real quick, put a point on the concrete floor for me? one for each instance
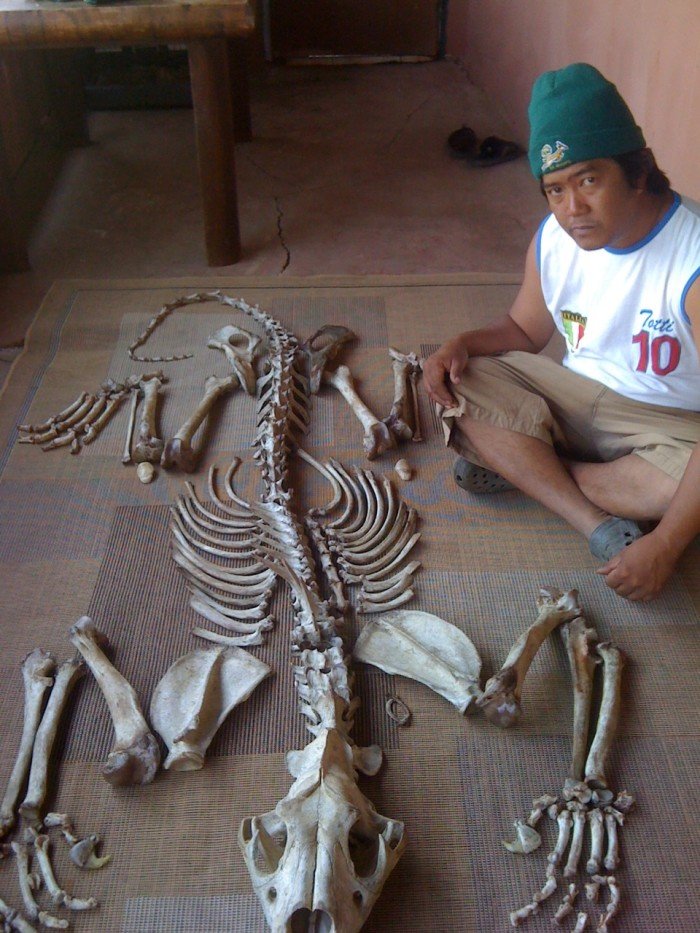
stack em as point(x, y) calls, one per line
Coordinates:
point(348, 172)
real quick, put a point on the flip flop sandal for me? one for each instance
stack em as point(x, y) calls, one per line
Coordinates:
point(495, 151)
point(611, 536)
point(463, 142)
point(478, 479)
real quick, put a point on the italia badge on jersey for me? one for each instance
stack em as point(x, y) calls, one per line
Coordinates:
point(574, 327)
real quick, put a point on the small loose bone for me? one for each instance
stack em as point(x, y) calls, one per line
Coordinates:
point(526, 841)
point(613, 662)
point(613, 905)
point(146, 472)
point(596, 822)
point(539, 805)
point(579, 638)
point(28, 883)
point(135, 757)
point(67, 674)
point(239, 346)
point(320, 355)
point(581, 922)
point(613, 819)
point(83, 854)
point(400, 420)
point(179, 451)
point(567, 905)
point(13, 920)
point(378, 438)
point(149, 447)
point(501, 699)
point(55, 891)
point(403, 470)
point(397, 710)
point(579, 818)
point(564, 823)
point(126, 456)
point(36, 670)
point(517, 916)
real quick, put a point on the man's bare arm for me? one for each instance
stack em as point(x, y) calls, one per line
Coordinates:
point(528, 326)
point(640, 571)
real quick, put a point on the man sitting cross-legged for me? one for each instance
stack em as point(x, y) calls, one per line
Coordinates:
point(610, 438)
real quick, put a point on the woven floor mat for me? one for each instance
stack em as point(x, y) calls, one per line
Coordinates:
point(80, 535)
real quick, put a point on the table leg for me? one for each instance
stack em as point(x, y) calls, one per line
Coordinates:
point(238, 50)
point(213, 117)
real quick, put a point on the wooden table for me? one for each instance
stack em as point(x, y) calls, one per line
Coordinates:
point(212, 31)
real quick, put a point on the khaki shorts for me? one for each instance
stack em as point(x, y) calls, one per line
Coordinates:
point(581, 418)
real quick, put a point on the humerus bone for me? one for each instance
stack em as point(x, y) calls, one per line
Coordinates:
point(239, 346)
point(194, 697)
point(149, 447)
point(66, 676)
point(501, 699)
point(36, 670)
point(179, 451)
point(378, 438)
point(426, 648)
point(135, 757)
point(613, 662)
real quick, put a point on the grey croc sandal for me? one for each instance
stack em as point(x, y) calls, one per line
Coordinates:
point(611, 536)
point(478, 479)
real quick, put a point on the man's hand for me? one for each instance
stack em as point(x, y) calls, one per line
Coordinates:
point(443, 369)
point(640, 571)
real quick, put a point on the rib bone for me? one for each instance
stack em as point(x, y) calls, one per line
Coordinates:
point(66, 676)
point(501, 699)
point(36, 668)
point(179, 451)
point(613, 662)
point(378, 438)
point(135, 757)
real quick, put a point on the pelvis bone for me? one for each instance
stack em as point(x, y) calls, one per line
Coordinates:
point(318, 861)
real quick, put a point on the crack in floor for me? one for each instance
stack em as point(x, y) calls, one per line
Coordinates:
point(280, 235)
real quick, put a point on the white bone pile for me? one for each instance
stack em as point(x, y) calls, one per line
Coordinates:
point(586, 805)
point(31, 850)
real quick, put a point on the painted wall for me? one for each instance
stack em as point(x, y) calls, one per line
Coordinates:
point(650, 50)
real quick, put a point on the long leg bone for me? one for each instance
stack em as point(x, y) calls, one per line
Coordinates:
point(149, 447)
point(179, 451)
point(239, 346)
point(501, 699)
point(36, 670)
point(66, 676)
point(401, 419)
point(378, 438)
point(579, 638)
point(135, 757)
point(613, 662)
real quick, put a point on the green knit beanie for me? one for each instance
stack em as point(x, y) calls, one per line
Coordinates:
point(576, 114)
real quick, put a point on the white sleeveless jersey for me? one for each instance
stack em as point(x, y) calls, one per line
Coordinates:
point(622, 311)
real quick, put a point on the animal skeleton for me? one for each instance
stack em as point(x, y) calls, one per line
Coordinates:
point(321, 856)
point(585, 801)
